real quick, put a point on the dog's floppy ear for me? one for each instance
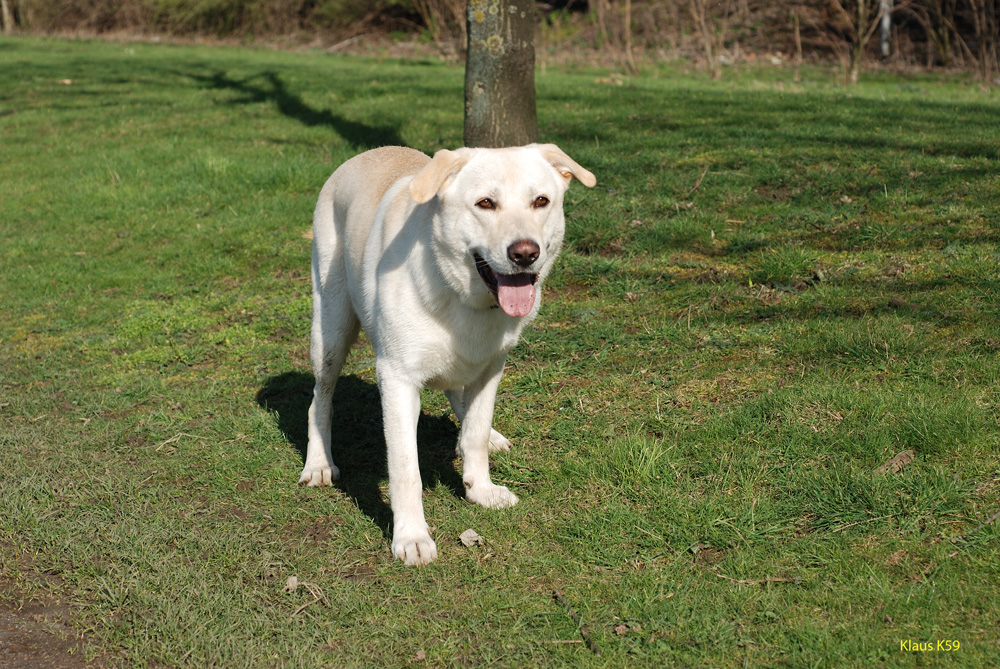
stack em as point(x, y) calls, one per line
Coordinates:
point(429, 180)
point(566, 166)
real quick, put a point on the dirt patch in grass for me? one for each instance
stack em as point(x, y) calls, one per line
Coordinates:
point(706, 556)
point(35, 634)
point(319, 530)
point(38, 628)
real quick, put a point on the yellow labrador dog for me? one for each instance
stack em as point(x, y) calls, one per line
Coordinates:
point(441, 261)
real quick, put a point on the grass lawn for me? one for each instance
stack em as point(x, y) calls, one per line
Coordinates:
point(774, 289)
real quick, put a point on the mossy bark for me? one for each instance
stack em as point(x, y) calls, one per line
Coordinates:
point(500, 74)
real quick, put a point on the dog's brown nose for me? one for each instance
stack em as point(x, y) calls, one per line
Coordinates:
point(523, 252)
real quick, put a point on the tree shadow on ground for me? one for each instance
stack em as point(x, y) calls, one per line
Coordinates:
point(268, 87)
point(358, 441)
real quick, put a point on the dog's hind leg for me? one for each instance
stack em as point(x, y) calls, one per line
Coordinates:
point(335, 327)
point(498, 442)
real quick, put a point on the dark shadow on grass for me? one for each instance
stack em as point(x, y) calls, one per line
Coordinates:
point(358, 442)
point(268, 86)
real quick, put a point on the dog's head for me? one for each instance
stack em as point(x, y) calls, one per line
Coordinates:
point(498, 219)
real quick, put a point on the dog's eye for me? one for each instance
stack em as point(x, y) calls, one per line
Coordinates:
point(486, 203)
point(540, 201)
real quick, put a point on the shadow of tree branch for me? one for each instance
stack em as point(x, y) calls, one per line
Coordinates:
point(269, 87)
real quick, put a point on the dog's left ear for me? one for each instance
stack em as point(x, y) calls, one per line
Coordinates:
point(566, 166)
point(429, 180)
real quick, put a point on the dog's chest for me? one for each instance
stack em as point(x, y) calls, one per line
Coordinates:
point(457, 357)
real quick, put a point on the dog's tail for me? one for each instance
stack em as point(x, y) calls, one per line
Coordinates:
point(323, 213)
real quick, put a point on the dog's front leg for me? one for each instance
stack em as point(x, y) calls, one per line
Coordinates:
point(478, 399)
point(411, 540)
point(498, 442)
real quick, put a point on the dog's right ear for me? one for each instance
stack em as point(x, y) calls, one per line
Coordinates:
point(429, 180)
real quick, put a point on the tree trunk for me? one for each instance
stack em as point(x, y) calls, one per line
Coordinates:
point(7, 17)
point(886, 9)
point(500, 73)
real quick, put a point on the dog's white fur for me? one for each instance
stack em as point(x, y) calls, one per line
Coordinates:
point(395, 234)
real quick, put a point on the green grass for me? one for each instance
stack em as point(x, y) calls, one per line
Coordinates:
point(773, 289)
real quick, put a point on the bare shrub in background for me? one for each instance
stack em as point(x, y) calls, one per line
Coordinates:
point(986, 22)
point(712, 28)
point(958, 32)
point(615, 31)
point(937, 19)
point(260, 19)
point(445, 19)
point(857, 21)
point(622, 33)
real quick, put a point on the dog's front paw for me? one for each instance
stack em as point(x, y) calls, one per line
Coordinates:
point(414, 547)
point(319, 475)
point(490, 495)
point(498, 442)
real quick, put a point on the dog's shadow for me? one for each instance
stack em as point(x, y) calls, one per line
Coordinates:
point(358, 442)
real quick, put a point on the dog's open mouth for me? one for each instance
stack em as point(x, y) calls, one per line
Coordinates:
point(515, 293)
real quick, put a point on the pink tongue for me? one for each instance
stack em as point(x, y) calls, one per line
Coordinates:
point(515, 293)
